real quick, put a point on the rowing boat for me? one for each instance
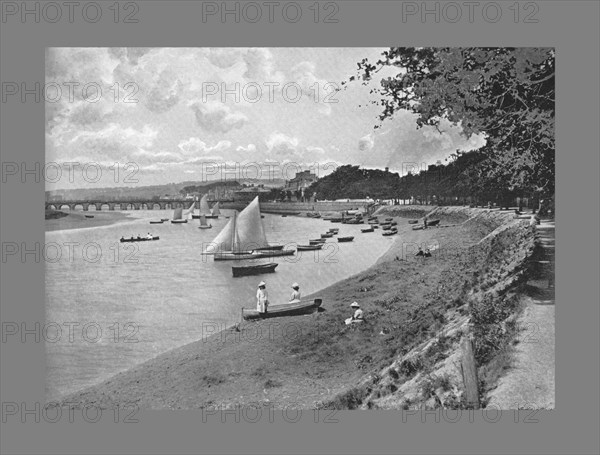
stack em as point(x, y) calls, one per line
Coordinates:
point(248, 270)
point(139, 239)
point(345, 239)
point(286, 309)
point(316, 246)
point(369, 229)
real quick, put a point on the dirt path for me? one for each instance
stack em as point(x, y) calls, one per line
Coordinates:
point(529, 384)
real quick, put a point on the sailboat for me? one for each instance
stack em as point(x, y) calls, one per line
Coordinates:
point(243, 237)
point(190, 210)
point(215, 211)
point(203, 223)
point(177, 216)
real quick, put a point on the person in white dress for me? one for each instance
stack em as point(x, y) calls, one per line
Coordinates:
point(295, 297)
point(262, 298)
point(358, 315)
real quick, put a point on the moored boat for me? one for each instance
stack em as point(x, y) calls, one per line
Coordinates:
point(316, 242)
point(203, 223)
point(89, 216)
point(413, 221)
point(327, 235)
point(286, 309)
point(391, 232)
point(157, 222)
point(241, 236)
point(433, 222)
point(316, 246)
point(273, 253)
point(258, 269)
point(345, 239)
point(269, 248)
point(369, 229)
point(139, 239)
point(178, 216)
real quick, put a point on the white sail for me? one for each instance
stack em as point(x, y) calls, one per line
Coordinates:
point(250, 228)
point(224, 241)
point(215, 210)
point(191, 209)
point(204, 209)
point(177, 213)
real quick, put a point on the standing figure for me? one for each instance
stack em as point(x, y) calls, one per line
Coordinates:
point(262, 298)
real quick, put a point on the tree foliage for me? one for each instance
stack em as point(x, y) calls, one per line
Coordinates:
point(507, 94)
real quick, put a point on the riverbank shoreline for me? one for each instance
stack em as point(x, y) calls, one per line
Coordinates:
point(306, 360)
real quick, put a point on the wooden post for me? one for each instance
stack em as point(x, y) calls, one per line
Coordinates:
point(469, 372)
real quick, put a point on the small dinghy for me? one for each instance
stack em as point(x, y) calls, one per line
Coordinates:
point(138, 239)
point(345, 239)
point(316, 246)
point(248, 270)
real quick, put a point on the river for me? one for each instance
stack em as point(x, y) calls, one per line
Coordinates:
point(110, 305)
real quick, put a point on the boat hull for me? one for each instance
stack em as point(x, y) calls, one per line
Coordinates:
point(316, 246)
point(269, 248)
point(205, 227)
point(156, 222)
point(345, 239)
point(179, 221)
point(286, 309)
point(235, 256)
point(139, 240)
point(253, 270)
point(273, 253)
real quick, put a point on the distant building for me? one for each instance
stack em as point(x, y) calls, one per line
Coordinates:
point(301, 181)
point(249, 193)
point(223, 192)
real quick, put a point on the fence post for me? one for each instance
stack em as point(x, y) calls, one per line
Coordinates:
point(469, 372)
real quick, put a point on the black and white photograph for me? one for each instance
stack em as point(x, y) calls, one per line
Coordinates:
point(310, 228)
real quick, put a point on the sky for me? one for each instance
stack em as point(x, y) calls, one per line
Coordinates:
point(146, 116)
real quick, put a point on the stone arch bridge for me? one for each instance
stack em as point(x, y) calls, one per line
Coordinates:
point(119, 205)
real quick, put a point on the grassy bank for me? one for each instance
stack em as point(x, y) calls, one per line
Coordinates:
point(316, 360)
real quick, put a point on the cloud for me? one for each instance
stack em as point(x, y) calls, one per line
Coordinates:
point(112, 143)
point(217, 117)
point(195, 146)
point(223, 57)
point(249, 148)
point(279, 144)
point(260, 67)
point(366, 143)
point(164, 93)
